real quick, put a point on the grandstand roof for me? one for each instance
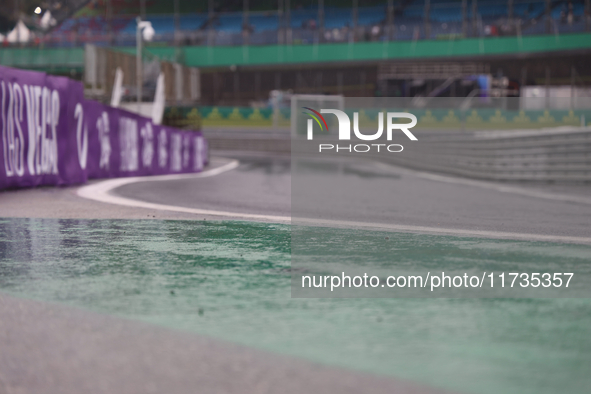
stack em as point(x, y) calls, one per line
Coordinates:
point(13, 11)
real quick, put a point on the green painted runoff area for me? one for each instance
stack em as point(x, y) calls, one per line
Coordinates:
point(204, 56)
point(232, 281)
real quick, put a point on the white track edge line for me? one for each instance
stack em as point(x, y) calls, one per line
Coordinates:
point(445, 231)
point(100, 192)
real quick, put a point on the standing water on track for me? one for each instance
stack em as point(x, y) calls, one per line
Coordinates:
point(232, 280)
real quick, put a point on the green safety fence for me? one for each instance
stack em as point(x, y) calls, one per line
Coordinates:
point(206, 56)
point(203, 56)
point(427, 118)
point(49, 59)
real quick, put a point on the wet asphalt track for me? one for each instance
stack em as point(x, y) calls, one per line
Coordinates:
point(59, 349)
point(264, 186)
point(259, 186)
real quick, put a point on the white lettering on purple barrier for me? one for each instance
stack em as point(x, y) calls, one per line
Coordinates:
point(162, 153)
point(128, 139)
point(102, 125)
point(147, 134)
point(81, 136)
point(12, 133)
point(43, 108)
point(175, 152)
point(186, 151)
point(198, 164)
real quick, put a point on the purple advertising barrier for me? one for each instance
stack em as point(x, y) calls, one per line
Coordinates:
point(37, 126)
point(72, 133)
point(101, 123)
point(50, 135)
point(15, 127)
point(125, 144)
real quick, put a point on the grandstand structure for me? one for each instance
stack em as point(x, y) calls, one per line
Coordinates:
point(306, 21)
point(245, 49)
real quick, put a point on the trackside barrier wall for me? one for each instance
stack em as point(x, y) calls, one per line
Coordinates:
point(550, 155)
point(51, 135)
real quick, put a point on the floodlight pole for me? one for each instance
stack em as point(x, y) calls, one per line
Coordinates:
point(210, 13)
point(355, 18)
point(464, 18)
point(177, 23)
point(548, 16)
point(109, 15)
point(281, 30)
point(138, 62)
point(474, 18)
point(17, 13)
point(320, 26)
point(587, 14)
point(245, 23)
point(142, 9)
point(390, 19)
point(427, 19)
point(288, 22)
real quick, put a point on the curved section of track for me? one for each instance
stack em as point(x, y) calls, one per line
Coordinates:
point(260, 189)
point(169, 185)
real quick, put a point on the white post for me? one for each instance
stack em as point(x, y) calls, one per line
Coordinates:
point(159, 101)
point(117, 88)
point(178, 83)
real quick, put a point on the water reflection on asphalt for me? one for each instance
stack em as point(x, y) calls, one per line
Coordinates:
point(231, 280)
